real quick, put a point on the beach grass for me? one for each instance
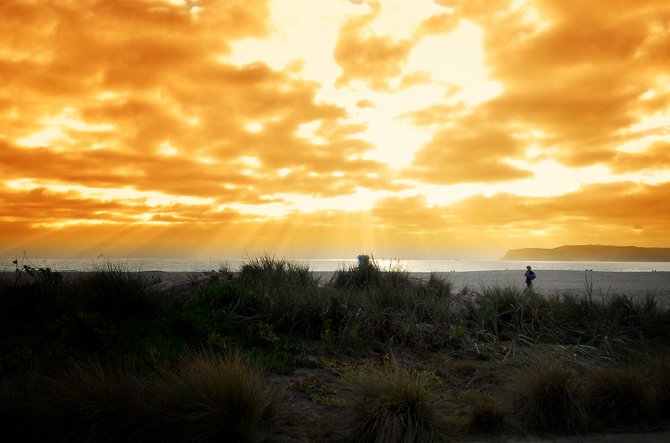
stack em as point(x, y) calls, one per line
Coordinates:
point(392, 405)
point(112, 352)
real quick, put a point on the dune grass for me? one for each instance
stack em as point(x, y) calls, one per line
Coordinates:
point(66, 343)
point(545, 398)
point(392, 405)
point(213, 398)
point(206, 397)
point(618, 397)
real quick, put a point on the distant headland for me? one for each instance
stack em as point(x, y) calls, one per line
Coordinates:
point(590, 253)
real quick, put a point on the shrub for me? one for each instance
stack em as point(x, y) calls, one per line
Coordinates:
point(395, 406)
point(545, 398)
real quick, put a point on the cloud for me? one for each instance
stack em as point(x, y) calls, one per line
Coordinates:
point(365, 56)
point(365, 103)
point(468, 152)
point(127, 121)
point(656, 157)
point(607, 213)
point(439, 24)
point(577, 80)
point(133, 94)
point(577, 72)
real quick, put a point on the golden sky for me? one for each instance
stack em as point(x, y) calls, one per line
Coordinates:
point(326, 128)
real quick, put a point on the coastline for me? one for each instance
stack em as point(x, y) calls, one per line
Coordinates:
point(551, 282)
point(548, 282)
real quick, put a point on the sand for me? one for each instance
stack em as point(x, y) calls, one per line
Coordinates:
point(548, 282)
point(553, 282)
point(576, 282)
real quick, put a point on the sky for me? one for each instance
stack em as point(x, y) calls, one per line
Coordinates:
point(326, 128)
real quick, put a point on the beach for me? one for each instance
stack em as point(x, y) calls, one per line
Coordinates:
point(575, 282)
point(556, 282)
point(548, 282)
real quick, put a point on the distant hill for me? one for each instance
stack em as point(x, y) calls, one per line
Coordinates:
point(590, 253)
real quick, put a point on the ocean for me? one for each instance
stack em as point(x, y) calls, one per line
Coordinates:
point(192, 265)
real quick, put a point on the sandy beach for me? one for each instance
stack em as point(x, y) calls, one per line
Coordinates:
point(577, 282)
point(552, 282)
point(548, 282)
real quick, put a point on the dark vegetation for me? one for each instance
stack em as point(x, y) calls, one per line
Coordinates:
point(111, 355)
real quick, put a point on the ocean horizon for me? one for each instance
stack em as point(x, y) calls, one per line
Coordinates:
point(331, 264)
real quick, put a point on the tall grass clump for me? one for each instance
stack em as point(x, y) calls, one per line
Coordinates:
point(618, 397)
point(508, 312)
point(30, 288)
point(545, 398)
point(487, 416)
point(211, 397)
point(438, 286)
point(395, 406)
point(658, 375)
point(117, 293)
point(221, 308)
point(364, 276)
point(368, 276)
point(87, 401)
point(289, 295)
point(390, 305)
point(207, 397)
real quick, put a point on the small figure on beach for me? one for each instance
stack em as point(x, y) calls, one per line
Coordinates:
point(530, 276)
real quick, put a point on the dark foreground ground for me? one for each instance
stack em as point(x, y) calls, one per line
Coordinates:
point(467, 344)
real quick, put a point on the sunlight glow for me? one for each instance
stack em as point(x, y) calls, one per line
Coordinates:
point(254, 127)
point(250, 161)
point(162, 125)
point(55, 127)
point(461, 63)
point(167, 149)
point(72, 223)
point(44, 137)
point(308, 132)
point(131, 196)
point(361, 200)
